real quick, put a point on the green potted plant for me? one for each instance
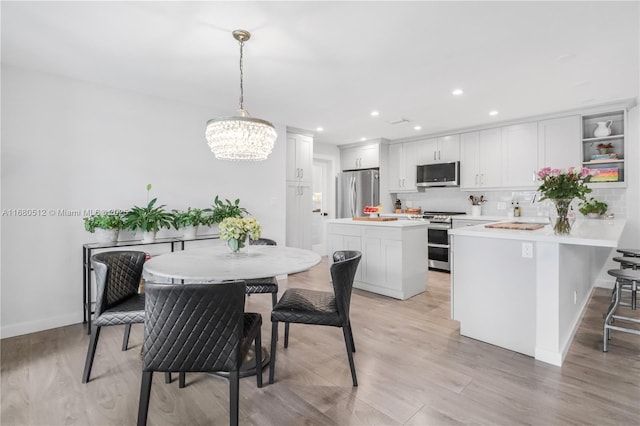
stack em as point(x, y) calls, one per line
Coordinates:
point(593, 208)
point(106, 226)
point(224, 209)
point(149, 219)
point(189, 220)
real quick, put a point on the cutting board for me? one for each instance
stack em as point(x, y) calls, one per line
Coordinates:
point(513, 225)
point(375, 219)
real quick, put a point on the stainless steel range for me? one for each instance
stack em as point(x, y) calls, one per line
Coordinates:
point(438, 239)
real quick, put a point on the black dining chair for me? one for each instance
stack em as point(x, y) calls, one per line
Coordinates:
point(264, 285)
point(304, 306)
point(198, 328)
point(118, 302)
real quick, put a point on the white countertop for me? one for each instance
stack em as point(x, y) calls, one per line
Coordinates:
point(496, 218)
point(389, 224)
point(591, 232)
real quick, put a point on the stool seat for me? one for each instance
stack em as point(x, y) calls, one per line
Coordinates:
point(629, 252)
point(628, 262)
point(624, 278)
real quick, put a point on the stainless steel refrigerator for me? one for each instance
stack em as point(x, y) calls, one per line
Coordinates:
point(357, 189)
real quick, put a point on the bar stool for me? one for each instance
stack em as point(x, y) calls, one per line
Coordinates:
point(628, 263)
point(623, 277)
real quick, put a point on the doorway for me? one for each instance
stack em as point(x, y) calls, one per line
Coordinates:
point(320, 212)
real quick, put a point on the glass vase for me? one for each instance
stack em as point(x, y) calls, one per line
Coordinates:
point(239, 246)
point(561, 221)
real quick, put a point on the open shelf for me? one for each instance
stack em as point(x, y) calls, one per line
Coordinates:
point(612, 169)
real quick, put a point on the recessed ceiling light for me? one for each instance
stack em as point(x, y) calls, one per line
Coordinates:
point(417, 127)
point(375, 113)
point(494, 112)
point(319, 129)
point(457, 92)
point(363, 139)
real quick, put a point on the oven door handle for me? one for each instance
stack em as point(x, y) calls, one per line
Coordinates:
point(438, 245)
point(439, 226)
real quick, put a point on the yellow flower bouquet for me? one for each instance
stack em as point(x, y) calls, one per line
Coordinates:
point(236, 230)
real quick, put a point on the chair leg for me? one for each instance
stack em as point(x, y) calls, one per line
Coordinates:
point(91, 352)
point(274, 338)
point(353, 343)
point(125, 338)
point(145, 392)
point(258, 343)
point(274, 299)
point(286, 334)
point(234, 397)
point(346, 330)
point(167, 377)
point(182, 378)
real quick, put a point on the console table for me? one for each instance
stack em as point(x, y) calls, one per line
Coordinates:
point(87, 250)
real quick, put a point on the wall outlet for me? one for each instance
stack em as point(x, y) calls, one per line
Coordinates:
point(501, 205)
point(527, 250)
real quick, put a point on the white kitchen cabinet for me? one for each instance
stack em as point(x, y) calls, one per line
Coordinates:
point(403, 160)
point(439, 150)
point(481, 159)
point(520, 155)
point(298, 214)
point(299, 157)
point(360, 157)
point(394, 254)
point(559, 142)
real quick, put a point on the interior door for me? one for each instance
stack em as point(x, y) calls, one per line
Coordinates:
point(319, 209)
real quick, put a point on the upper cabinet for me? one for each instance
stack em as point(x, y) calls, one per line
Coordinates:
point(299, 157)
point(439, 150)
point(481, 159)
point(559, 142)
point(360, 157)
point(402, 167)
point(520, 154)
point(603, 147)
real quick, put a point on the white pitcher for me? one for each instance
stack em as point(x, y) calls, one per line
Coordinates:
point(603, 129)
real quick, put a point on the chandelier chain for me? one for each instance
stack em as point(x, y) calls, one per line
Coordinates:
point(241, 76)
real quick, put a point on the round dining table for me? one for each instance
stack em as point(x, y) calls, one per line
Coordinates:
point(217, 264)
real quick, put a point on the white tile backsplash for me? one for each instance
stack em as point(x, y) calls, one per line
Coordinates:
point(453, 199)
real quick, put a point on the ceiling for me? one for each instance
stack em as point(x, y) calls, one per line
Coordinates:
point(329, 64)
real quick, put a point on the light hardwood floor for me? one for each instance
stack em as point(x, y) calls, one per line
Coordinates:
point(413, 368)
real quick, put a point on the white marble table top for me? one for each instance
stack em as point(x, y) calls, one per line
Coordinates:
point(218, 264)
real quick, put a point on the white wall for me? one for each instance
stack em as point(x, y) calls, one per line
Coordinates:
point(71, 145)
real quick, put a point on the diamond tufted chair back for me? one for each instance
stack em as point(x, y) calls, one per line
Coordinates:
point(193, 327)
point(118, 276)
point(343, 272)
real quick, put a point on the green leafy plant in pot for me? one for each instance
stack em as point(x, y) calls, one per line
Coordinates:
point(149, 219)
point(224, 209)
point(593, 208)
point(189, 220)
point(106, 226)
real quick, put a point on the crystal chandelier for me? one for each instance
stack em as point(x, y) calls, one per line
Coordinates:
point(241, 137)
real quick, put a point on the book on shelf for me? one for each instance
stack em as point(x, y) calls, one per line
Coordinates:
point(606, 175)
point(600, 157)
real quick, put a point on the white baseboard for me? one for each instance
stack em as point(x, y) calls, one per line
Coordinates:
point(39, 325)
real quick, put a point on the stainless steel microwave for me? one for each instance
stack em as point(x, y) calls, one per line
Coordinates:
point(439, 174)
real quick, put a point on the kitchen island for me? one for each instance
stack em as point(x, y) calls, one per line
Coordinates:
point(394, 254)
point(526, 290)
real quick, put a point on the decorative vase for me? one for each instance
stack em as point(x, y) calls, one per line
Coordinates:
point(603, 129)
point(239, 246)
point(603, 150)
point(107, 235)
point(149, 236)
point(476, 210)
point(189, 232)
point(561, 222)
point(594, 215)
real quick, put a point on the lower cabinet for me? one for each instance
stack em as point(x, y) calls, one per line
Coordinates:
point(299, 214)
point(394, 259)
